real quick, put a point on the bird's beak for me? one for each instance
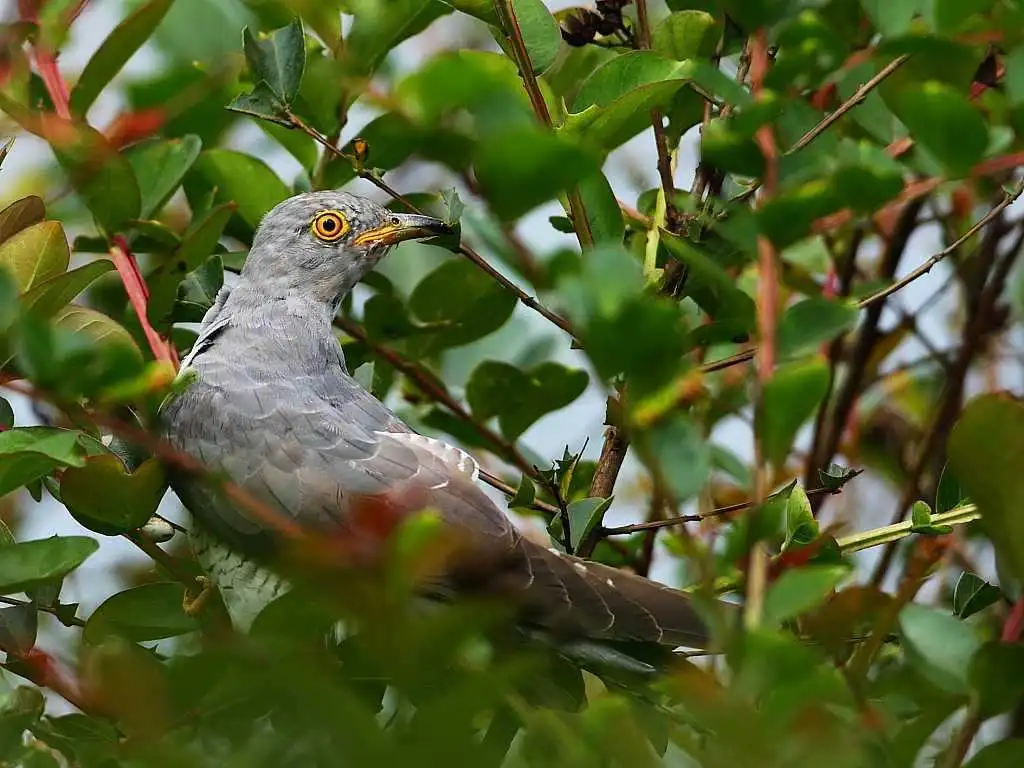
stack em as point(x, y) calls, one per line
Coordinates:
point(403, 226)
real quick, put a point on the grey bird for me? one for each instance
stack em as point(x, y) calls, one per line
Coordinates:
point(272, 406)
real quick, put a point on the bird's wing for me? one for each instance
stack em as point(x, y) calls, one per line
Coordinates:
point(310, 455)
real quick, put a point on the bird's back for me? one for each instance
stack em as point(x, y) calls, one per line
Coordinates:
point(273, 407)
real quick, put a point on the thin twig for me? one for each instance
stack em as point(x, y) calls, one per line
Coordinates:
point(833, 424)
point(651, 525)
point(498, 484)
point(164, 560)
point(67, 621)
point(857, 98)
point(507, 14)
point(981, 299)
point(965, 734)
point(825, 123)
point(643, 40)
point(926, 267)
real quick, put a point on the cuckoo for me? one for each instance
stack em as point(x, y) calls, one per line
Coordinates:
point(271, 406)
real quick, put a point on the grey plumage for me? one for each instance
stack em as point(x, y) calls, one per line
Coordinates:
point(273, 407)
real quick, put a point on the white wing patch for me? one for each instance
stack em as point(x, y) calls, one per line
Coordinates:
point(455, 460)
point(213, 323)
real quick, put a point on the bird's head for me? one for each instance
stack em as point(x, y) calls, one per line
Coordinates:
point(321, 244)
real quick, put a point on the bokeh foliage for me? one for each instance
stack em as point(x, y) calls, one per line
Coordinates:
point(830, 133)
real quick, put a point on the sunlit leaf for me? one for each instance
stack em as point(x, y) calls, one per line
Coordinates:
point(147, 612)
point(30, 563)
point(36, 254)
point(106, 498)
point(126, 38)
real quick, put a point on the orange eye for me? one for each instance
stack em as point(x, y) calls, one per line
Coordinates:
point(330, 226)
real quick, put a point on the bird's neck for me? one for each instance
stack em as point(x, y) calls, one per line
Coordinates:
point(256, 303)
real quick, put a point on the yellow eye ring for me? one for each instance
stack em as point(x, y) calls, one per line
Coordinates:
point(330, 226)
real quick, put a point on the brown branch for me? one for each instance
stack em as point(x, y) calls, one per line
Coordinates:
point(670, 522)
point(657, 122)
point(857, 98)
point(981, 301)
point(767, 320)
point(965, 734)
point(164, 560)
point(834, 424)
point(67, 621)
point(498, 484)
point(825, 123)
point(926, 267)
point(507, 14)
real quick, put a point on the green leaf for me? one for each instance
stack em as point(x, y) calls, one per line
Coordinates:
point(102, 177)
point(801, 527)
point(950, 494)
point(810, 323)
point(18, 627)
point(800, 589)
point(237, 177)
point(938, 645)
point(584, 514)
point(29, 564)
point(836, 476)
point(945, 123)
point(378, 27)
point(262, 103)
point(714, 289)
point(892, 19)
point(790, 397)
point(483, 306)
point(159, 166)
point(725, 147)
point(540, 32)
point(28, 453)
point(20, 214)
point(49, 296)
point(481, 9)
point(97, 326)
point(603, 212)
point(453, 206)
point(998, 755)
point(36, 254)
point(277, 59)
point(104, 497)
point(20, 709)
point(525, 494)
point(149, 612)
point(995, 675)
point(114, 52)
point(984, 451)
point(686, 35)
point(614, 103)
point(973, 594)
point(519, 398)
point(682, 455)
point(521, 168)
point(1014, 79)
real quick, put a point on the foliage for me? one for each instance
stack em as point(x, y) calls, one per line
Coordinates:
point(768, 291)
